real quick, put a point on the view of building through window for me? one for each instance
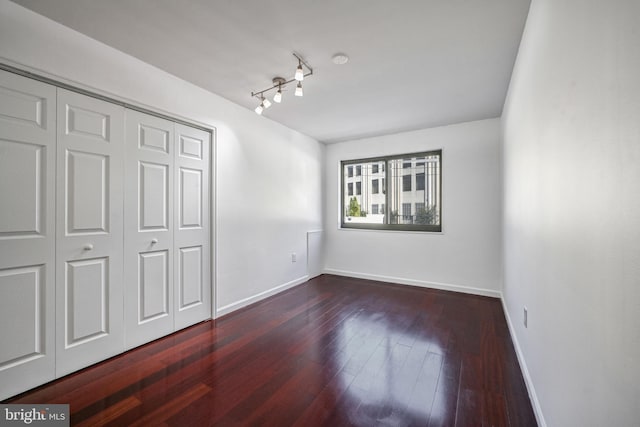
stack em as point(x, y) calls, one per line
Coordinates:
point(395, 192)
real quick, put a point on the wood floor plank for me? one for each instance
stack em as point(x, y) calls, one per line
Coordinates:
point(170, 408)
point(334, 351)
point(109, 414)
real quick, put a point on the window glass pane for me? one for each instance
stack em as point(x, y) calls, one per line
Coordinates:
point(419, 179)
point(406, 213)
point(349, 171)
point(374, 168)
point(406, 182)
point(424, 196)
point(361, 203)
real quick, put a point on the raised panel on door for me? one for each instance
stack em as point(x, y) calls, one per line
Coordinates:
point(27, 233)
point(148, 224)
point(87, 193)
point(87, 300)
point(153, 286)
point(192, 276)
point(190, 273)
point(89, 316)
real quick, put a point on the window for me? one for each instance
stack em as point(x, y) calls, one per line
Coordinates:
point(409, 200)
point(406, 212)
point(406, 182)
point(420, 181)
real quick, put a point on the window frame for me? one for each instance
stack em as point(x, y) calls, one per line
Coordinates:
point(385, 160)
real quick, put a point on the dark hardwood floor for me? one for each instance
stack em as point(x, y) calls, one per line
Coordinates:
point(334, 351)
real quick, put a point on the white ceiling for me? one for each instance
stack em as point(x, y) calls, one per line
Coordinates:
point(413, 64)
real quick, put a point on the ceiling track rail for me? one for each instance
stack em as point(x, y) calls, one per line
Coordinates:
point(91, 94)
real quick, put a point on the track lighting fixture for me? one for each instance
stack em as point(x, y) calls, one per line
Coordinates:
point(280, 82)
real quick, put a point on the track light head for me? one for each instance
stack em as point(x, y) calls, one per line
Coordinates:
point(298, 91)
point(299, 76)
point(259, 109)
point(266, 103)
point(278, 96)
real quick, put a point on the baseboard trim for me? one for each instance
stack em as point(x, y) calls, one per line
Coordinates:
point(413, 282)
point(221, 311)
point(537, 410)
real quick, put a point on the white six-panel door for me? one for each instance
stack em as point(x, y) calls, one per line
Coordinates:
point(89, 311)
point(148, 225)
point(191, 235)
point(27, 233)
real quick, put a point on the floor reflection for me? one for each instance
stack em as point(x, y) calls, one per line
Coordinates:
point(390, 371)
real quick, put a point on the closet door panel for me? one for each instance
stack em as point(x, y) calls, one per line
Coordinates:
point(87, 300)
point(27, 233)
point(191, 267)
point(87, 189)
point(90, 232)
point(149, 312)
point(192, 276)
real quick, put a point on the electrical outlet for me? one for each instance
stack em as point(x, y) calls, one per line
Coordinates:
point(293, 257)
point(525, 317)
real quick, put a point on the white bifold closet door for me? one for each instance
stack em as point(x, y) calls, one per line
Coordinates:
point(89, 324)
point(148, 225)
point(166, 266)
point(104, 230)
point(192, 233)
point(27, 233)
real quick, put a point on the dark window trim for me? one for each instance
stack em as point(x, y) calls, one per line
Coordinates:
point(385, 161)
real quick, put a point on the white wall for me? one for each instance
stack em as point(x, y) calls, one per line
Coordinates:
point(269, 186)
point(466, 256)
point(572, 209)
